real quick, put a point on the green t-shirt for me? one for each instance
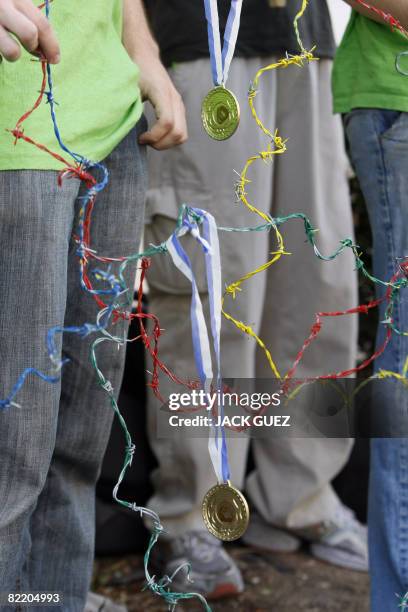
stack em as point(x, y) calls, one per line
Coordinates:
point(364, 73)
point(95, 86)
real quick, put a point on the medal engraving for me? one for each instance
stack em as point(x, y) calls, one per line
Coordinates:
point(220, 113)
point(225, 512)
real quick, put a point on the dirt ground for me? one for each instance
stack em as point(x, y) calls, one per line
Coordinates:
point(274, 582)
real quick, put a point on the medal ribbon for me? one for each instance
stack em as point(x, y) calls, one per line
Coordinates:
point(213, 268)
point(209, 242)
point(221, 57)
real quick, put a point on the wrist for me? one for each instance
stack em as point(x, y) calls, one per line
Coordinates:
point(142, 53)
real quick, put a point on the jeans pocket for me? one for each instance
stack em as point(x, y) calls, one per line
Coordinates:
point(398, 130)
point(390, 124)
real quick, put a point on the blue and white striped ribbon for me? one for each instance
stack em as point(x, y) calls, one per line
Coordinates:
point(217, 441)
point(221, 58)
point(209, 242)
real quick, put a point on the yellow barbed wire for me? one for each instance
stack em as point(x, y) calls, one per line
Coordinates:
point(277, 146)
point(299, 15)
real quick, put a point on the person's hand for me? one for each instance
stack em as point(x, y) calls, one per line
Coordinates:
point(31, 28)
point(155, 84)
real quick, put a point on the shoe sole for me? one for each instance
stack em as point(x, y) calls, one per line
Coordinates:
point(338, 558)
point(223, 591)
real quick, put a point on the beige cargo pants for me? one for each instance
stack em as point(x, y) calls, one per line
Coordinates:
point(291, 483)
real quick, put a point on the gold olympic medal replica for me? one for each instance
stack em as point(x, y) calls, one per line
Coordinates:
point(225, 512)
point(220, 113)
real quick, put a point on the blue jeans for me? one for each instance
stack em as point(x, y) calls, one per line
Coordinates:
point(379, 150)
point(52, 447)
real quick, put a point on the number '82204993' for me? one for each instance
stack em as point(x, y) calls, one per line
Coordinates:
point(45, 599)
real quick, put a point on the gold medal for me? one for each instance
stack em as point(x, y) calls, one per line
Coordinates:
point(225, 512)
point(220, 113)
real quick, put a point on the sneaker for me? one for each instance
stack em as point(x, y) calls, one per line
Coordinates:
point(98, 603)
point(340, 541)
point(213, 573)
